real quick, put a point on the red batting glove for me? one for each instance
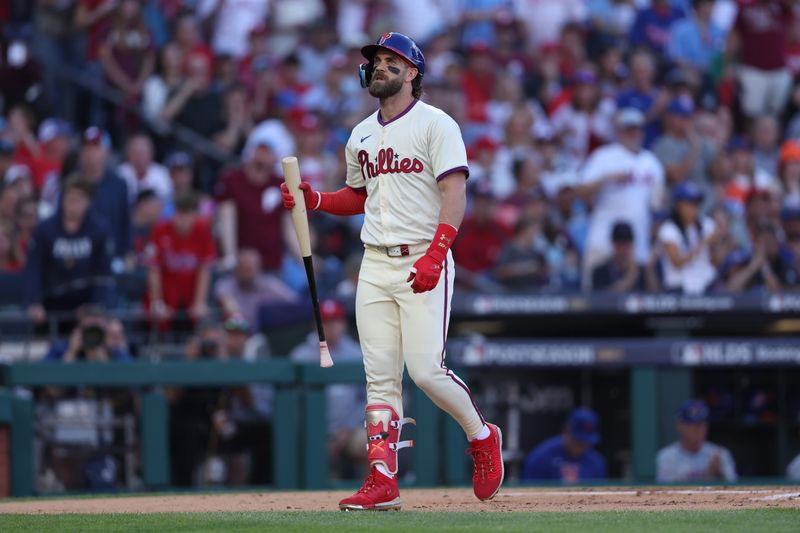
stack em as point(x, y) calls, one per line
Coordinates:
point(427, 269)
point(312, 197)
point(425, 273)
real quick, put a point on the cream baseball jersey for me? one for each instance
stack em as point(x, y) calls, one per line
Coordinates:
point(400, 162)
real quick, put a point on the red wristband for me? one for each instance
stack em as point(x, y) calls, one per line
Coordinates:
point(442, 241)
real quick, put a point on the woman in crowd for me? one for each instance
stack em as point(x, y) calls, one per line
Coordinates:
point(686, 238)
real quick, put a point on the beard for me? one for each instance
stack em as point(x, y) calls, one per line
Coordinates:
point(386, 89)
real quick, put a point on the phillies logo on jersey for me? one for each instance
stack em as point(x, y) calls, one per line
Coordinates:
point(386, 162)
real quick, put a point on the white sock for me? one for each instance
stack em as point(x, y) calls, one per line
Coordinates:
point(482, 434)
point(382, 470)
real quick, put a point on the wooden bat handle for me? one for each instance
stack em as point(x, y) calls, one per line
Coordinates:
point(291, 172)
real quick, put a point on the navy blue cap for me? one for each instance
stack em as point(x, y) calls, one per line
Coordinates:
point(688, 191)
point(622, 232)
point(693, 411)
point(178, 159)
point(582, 425)
point(51, 128)
point(683, 107)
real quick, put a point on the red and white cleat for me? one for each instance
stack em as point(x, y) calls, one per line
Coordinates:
point(487, 457)
point(379, 493)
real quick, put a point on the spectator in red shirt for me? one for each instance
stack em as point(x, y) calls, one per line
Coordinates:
point(250, 211)
point(759, 36)
point(54, 143)
point(19, 130)
point(180, 254)
point(478, 82)
point(482, 235)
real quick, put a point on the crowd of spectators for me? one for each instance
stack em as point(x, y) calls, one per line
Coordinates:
point(613, 145)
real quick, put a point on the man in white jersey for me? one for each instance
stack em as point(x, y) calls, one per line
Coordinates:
point(693, 458)
point(624, 183)
point(406, 171)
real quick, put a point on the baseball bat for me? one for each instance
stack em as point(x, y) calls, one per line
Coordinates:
point(291, 172)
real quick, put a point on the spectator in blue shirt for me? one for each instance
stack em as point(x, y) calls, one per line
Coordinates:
point(652, 25)
point(68, 257)
point(644, 95)
point(110, 202)
point(695, 41)
point(569, 457)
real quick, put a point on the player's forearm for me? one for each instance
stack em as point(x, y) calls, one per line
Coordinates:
point(454, 199)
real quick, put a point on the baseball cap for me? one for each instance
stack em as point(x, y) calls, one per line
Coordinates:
point(629, 117)
point(622, 232)
point(178, 159)
point(50, 128)
point(16, 173)
point(486, 143)
point(693, 411)
point(683, 107)
point(687, 191)
point(236, 322)
point(97, 136)
point(332, 310)
point(582, 425)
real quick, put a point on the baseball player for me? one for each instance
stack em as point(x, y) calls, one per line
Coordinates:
point(406, 171)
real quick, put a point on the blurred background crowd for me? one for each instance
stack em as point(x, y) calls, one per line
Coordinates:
point(614, 145)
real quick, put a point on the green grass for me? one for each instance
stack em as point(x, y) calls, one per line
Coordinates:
point(745, 521)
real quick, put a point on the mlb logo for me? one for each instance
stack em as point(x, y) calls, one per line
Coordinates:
point(384, 37)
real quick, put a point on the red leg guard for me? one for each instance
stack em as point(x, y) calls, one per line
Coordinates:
point(383, 436)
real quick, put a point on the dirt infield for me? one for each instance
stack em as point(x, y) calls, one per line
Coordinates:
point(512, 499)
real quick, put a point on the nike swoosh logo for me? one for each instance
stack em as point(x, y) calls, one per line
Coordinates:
point(365, 138)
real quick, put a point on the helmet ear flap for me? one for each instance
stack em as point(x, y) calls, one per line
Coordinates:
point(365, 74)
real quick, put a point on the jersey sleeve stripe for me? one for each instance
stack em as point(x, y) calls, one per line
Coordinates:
point(446, 173)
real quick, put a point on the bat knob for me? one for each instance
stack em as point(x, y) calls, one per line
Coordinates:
point(325, 360)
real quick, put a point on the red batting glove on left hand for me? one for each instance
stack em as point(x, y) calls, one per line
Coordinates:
point(425, 273)
point(427, 269)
